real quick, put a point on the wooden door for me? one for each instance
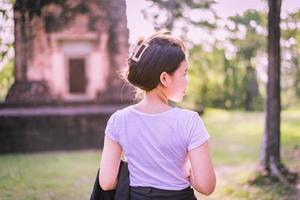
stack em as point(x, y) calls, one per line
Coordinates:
point(77, 76)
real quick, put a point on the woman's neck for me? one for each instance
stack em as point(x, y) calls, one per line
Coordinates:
point(156, 96)
point(154, 101)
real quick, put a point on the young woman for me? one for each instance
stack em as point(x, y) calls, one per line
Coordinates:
point(166, 147)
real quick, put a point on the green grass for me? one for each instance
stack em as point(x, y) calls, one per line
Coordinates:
point(235, 142)
point(66, 175)
point(235, 135)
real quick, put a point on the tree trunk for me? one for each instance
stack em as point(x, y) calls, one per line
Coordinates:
point(270, 161)
point(272, 109)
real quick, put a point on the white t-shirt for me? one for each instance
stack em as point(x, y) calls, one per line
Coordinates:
point(156, 145)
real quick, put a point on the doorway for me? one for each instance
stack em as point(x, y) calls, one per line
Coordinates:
point(77, 76)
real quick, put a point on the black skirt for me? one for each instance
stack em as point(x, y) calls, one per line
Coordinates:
point(150, 193)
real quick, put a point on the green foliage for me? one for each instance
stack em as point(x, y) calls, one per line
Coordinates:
point(254, 42)
point(6, 16)
point(248, 16)
point(215, 81)
point(172, 10)
point(6, 79)
point(291, 46)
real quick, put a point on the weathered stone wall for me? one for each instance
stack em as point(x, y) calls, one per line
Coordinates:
point(47, 129)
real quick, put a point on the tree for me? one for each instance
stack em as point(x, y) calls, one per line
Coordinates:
point(251, 25)
point(177, 15)
point(270, 161)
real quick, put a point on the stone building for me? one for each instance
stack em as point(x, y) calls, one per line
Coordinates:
point(66, 51)
point(69, 51)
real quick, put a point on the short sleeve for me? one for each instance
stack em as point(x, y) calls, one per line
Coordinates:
point(111, 128)
point(197, 133)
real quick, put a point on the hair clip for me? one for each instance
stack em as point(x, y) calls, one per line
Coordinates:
point(137, 54)
point(138, 50)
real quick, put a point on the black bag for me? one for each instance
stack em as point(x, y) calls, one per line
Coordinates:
point(122, 190)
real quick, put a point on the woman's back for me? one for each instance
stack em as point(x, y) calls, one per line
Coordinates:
point(156, 145)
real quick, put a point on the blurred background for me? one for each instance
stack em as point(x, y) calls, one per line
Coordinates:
point(59, 84)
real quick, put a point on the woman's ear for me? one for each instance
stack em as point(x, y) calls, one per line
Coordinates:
point(165, 79)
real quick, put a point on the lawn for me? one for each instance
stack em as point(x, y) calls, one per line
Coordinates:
point(235, 141)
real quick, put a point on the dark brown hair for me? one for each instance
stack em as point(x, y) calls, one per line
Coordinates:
point(164, 54)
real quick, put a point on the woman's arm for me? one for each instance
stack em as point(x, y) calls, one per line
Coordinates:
point(202, 177)
point(109, 165)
